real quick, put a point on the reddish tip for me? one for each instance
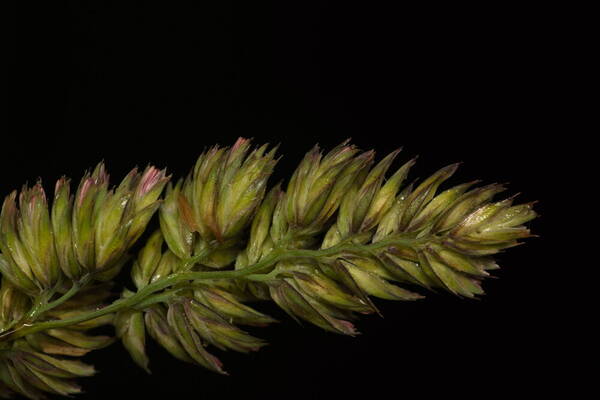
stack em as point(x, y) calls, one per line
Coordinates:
point(151, 177)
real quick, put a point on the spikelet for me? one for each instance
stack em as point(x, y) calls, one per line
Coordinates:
point(217, 201)
point(88, 233)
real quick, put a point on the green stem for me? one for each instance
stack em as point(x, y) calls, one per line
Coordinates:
point(40, 301)
point(141, 296)
point(73, 290)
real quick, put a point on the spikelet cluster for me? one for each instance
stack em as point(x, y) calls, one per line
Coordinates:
point(344, 230)
point(342, 198)
point(82, 237)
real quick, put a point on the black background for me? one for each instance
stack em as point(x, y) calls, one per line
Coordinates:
point(137, 82)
